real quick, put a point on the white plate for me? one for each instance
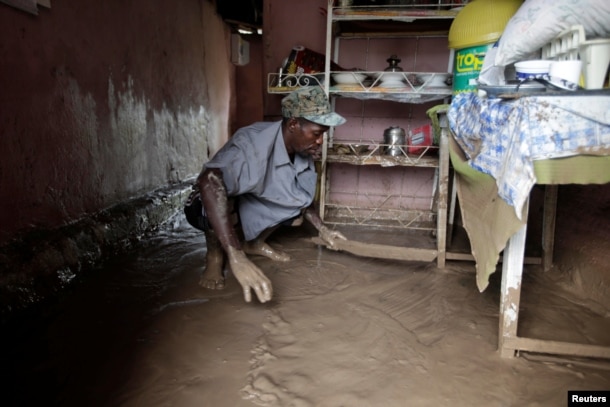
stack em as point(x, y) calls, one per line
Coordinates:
point(349, 78)
point(437, 81)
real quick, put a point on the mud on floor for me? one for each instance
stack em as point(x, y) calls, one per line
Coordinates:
point(342, 330)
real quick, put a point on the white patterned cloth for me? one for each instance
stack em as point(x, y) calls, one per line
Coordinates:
point(502, 138)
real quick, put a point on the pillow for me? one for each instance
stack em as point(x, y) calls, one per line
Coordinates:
point(538, 22)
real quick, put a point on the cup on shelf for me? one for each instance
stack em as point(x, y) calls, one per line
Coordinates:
point(565, 74)
point(394, 138)
point(595, 55)
point(532, 69)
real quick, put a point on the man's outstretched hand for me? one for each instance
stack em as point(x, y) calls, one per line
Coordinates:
point(249, 276)
point(329, 236)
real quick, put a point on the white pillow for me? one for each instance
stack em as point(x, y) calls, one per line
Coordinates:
point(537, 22)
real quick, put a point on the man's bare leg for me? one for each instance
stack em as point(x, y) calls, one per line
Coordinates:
point(213, 277)
point(259, 247)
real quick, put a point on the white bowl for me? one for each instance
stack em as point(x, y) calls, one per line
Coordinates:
point(349, 78)
point(434, 79)
point(537, 68)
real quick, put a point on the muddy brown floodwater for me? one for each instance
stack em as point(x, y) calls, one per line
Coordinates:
point(341, 330)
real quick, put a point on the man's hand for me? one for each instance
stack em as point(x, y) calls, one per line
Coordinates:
point(330, 236)
point(249, 276)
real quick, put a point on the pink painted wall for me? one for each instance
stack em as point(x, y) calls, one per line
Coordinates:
point(102, 101)
point(288, 23)
point(249, 87)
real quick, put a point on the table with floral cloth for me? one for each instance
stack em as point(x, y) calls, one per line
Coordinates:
point(500, 148)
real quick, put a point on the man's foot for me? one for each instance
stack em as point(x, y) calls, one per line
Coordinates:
point(259, 248)
point(213, 277)
point(212, 282)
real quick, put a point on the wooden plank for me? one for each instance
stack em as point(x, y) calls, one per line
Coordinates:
point(470, 257)
point(451, 215)
point(443, 193)
point(557, 348)
point(380, 251)
point(459, 256)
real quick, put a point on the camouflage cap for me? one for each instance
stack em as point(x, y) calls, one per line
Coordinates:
point(312, 104)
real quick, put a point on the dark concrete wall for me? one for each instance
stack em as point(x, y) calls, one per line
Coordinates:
point(104, 101)
point(107, 110)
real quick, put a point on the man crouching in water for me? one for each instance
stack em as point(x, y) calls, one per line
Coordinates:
point(266, 170)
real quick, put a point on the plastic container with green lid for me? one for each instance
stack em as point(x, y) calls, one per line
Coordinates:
point(474, 30)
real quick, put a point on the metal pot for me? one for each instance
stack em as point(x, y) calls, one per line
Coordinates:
point(394, 137)
point(393, 61)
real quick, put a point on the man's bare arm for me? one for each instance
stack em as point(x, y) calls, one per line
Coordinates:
point(216, 204)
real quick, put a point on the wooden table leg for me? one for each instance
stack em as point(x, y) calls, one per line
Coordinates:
point(548, 225)
point(510, 291)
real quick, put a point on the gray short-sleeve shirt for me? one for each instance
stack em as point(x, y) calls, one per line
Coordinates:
point(257, 171)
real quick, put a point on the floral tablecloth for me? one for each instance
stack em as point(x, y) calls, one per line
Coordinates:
point(503, 138)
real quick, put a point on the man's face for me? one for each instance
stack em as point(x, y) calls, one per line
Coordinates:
point(306, 138)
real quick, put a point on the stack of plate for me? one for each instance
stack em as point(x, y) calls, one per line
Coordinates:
point(349, 78)
point(390, 79)
point(436, 80)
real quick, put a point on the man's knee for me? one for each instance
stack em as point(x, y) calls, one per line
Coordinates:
point(195, 215)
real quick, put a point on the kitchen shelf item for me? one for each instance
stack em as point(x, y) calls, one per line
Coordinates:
point(394, 137)
point(349, 78)
point(572, 44)
point(391, 158)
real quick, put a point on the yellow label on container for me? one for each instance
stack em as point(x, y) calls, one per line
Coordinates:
point(469, 61)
